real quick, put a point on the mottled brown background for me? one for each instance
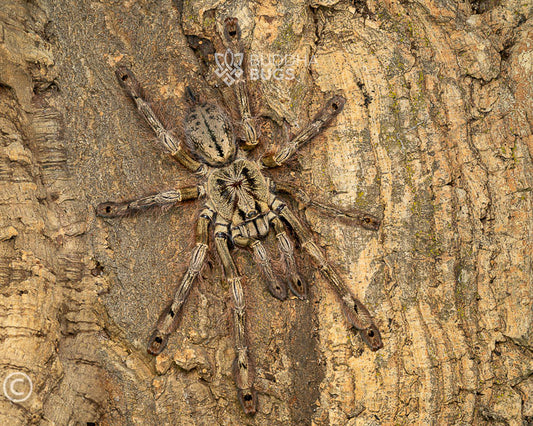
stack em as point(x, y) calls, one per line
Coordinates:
point(436, 138)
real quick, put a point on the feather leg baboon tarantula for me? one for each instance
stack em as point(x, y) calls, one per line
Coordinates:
point(242, 207)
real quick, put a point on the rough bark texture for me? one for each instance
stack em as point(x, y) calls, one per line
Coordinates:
point(436, 138)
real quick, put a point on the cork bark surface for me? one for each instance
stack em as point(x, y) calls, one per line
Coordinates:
point(435, 139)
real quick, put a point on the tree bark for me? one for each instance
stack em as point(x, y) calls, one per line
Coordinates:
point(435, 138)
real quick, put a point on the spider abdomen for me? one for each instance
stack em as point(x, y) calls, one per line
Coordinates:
point(210, 135)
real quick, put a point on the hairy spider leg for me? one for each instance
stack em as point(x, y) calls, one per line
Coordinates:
point(364, 220)
point(232, 36)
point(297, 286)
point(169, 318)
point(167, 198)
point(332, 108)
point(276, 287)
point(132, 87)
point(243, 368)
point(356, 313)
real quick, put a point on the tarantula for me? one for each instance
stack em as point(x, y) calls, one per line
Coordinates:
point(242, 207)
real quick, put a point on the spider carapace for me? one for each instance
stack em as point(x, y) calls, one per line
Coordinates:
point(241, 208)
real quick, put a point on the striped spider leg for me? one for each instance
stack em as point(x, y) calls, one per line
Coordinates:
point(243, 367)
point(132, 87)
point(356, 313)
point(332, 108)
point(364, 220)
point(124, 208)
point(169, 318)
point(232, 38)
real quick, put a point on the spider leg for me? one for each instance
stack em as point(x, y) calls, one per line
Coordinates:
point(277, 288)
point(243, 368)
point(356, 313)
point(296, 284)
point(332, 108)
point(169, 319)
point(232, 36)
point(167, 198)
point(363, 219)
point(128, 81)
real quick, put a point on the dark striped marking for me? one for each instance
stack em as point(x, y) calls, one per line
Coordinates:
point(210, 136)
point(238, 189)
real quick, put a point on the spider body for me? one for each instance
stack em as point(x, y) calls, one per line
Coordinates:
point(238, 193)
point(241, 207)
point(210, 135)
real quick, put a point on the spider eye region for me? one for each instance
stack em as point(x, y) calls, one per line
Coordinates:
point(209, 135)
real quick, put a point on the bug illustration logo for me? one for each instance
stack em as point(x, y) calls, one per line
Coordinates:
point(17, 387)
point(229, 66)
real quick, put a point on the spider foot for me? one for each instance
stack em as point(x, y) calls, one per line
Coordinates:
point(244, 373)
point(111, 209)
point(248, 400)
point(128, 81)
point(232, 30)
point(366, 221)
point(298, 286)
point(158, 342)
point(277, 288)
point(372, 338)
point(360, 319)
